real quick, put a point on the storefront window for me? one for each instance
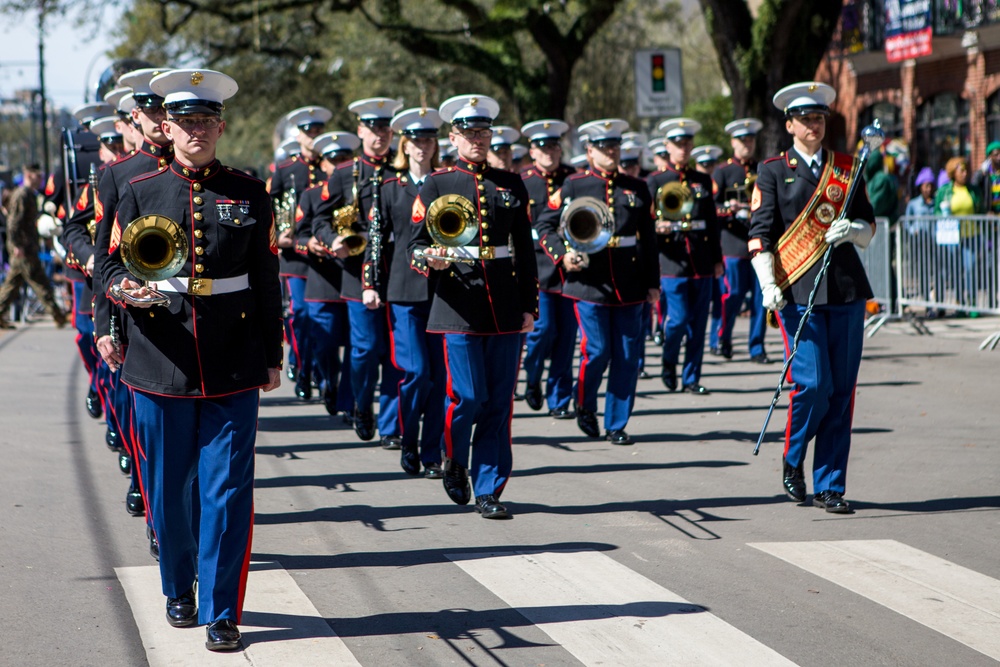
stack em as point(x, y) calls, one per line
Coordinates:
point(942, 130)
point(889, 117)
point(993, 117)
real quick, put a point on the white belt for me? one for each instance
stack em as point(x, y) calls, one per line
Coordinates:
point(686, 225)
point(202, 286)
point(621, 242)
point(473, 252)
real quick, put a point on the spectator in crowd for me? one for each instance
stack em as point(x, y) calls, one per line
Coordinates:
point(986, 180)
point(919, 248)
point(23, 248)
point(958, 199)
point(881, 188)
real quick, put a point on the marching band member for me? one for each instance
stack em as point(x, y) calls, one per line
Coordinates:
point(355, 190)
point(482, 305)
point(327, 309)
point(690, 255)
point(297, 174)
point(732, 203)
point(554, 335)
point(796, 207)
point(705, 159)
point(501, 155)
point(418, 353)
point(610, 286)
point(196, 365)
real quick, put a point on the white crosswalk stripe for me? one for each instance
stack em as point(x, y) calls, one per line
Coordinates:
point(280, 627)
point(606, 614)
point(951, 599)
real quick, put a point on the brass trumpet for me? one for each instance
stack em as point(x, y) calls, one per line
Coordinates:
point(674, 201)
point(153, 248)
point(451, 222)
point(587, 225)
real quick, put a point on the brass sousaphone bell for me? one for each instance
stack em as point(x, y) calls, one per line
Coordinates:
point(451, 222)
point(153, 248)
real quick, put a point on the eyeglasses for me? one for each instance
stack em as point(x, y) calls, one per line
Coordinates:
point(188, 124)
point(476, 134)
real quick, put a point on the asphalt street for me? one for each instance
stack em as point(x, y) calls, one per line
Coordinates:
point(680, 549)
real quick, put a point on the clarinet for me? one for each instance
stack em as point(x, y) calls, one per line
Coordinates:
point(375, 233)
point(92, 223)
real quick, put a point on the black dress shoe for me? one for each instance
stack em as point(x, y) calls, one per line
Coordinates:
point(364, 424)
point(409, 461)
point(154, 545)
point(182, 611)
point(456, 484)
point(330, 401)
point(112, 440)
point(713, 350)
point(760, 359)
point(303, 389)
point(94, 405)
point(619, 437)
point(292, 373)
point(392, 442)
point(696, 389)
point(794, 481)
point(587, 421)
point(134, 503)
point(832, 501)
point(222, 636)
point(124, 463)
point(491, 508)
point(433, 470)
point(669, 377)
point(561, 413)
point(643, 375)
point(518, 397)
point(726, 350)
point(533, 396)
point(658, 337)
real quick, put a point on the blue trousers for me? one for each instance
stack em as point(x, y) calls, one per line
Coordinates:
point(419, 356)
point(482, 375)
point(741, 279)
point(609, 336)
point(369, 350)
point(715, 322)
point(553, 338)
point(211, 439)
point(328, 327)
point(825, 374)
point(84, 323)
point(688, 300)
point(298, 325)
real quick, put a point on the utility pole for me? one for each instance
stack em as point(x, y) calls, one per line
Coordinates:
point(41, 86)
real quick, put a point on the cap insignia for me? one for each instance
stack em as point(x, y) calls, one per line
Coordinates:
point(381, 103)
point(812, 87)
point(546, 125)
point(607, 124)
point(197, 78)
point(423, 112)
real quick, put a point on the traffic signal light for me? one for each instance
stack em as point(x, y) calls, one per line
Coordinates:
point(659, 73)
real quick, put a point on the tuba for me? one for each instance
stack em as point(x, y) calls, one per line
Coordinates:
point(674, 202)
point(587, 226)
point(451, 222)
point(153, 248)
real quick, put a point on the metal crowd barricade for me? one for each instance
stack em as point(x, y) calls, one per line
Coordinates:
point(949, 263)
point(877, 260)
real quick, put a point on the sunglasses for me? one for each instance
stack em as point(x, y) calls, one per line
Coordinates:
point(188, 124)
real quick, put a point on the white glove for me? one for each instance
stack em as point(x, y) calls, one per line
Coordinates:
point(857, 232)
point(763, 265)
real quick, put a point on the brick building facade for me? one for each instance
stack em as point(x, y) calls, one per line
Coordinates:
point(944, 104)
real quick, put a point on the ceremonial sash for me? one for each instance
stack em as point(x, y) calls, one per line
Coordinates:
point(802, 244)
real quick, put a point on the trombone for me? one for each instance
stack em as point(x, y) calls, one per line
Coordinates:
point(451, 222)
point(153, 248)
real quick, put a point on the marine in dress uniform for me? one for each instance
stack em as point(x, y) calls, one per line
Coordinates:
point(359, 183)
point(501, 155)
point(518, 154)
point(446, 153)
point(328, 325)
point(611, 286)
point(482, 306)
point(796, 208)
point(416, 352)
point(690, 255)
point(658, 149)
point(299, 173)
point(554, 334)
point(732, 204)
point(705, 160)
point(197, 364)
point(112, 323)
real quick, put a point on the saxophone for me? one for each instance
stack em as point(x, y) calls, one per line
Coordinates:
point(345, 217)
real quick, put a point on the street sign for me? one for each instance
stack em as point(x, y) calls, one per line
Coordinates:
point(658, 87)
